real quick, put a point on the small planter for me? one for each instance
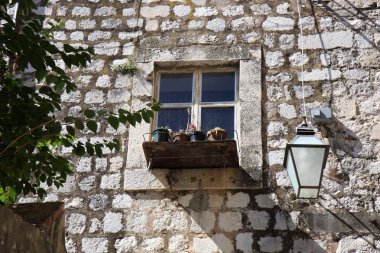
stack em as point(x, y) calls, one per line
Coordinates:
point(217, 134)
point(198, 136)
point(181, 137)
point(161, 135)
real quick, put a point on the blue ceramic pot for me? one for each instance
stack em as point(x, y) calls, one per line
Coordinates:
point(161, 135)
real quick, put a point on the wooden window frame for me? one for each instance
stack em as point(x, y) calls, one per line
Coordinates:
point(196, 105)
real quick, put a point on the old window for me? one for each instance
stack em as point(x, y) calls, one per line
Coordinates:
point(205, 97)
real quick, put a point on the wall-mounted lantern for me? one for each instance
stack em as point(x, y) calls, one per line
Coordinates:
point(305, 159)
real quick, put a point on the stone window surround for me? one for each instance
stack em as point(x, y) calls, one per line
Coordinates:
point(249, 175)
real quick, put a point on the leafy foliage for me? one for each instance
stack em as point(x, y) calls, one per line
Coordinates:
point(30, 133)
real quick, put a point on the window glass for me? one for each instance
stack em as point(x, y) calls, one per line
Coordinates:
point(176, 88)
point(175, 119)
point(222, 117)
point(218, 87)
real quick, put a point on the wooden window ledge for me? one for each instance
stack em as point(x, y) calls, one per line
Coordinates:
point(205, 154)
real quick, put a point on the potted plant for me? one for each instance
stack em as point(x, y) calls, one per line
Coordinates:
point(193, 134)
point(161, 134)
point(180, 136)
point(217, 134)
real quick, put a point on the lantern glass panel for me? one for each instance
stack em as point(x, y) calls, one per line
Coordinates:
point(292, 172)
point(308, 193)
point(309, 162)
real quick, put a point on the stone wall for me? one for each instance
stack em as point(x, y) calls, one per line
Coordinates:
point(114, 205)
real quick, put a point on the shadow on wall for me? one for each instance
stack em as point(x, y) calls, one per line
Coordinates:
point(244, 222)
point(344, 9)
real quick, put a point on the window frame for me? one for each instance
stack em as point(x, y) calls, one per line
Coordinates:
point(196, 104)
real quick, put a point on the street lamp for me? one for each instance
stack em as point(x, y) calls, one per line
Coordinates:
point(305, 159)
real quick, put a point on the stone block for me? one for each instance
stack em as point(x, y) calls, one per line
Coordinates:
point(343, 222)
point(95, 226)
point(128, 12)
point(98, 202)
point(112, 222)
point(156, 11)
point(76, 223)
point(153, 245)
point(278, 24)
point(319, 75)
point(181, 10)
point(136, 222)
point(230, 221)
point(105, 11)
point(216, 25)
point(74, 203)
point(238, 200)
point(110, 181)
point(199, 2)
point(178, 243)
point(107, 48)
point(243, 24)
point(151, 25)
point(265, 200)
point(261, 9)
point(233, 10)
point(118, 96)
point(327, 40)
point(140, 179)
point(169, 221)
point(126, 244)
point(94, 245)
point(99, 35)
point(244, 242)
point(287, 111)
point(94, 97)
point(205, 12)
point(80, 11)
point(286, 41)
point(223, 242)
point(204, 244)
point(276, 157)
point(202, 222)
point(274, 59)
point(87, 184)
point(258, 220)
point(87, 24)
point(270, 244)
point(111, 23)
point(298, 59)
point(122, 201)
point(308, 246)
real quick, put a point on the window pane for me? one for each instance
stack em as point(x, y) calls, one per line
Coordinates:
point(175, 119)
point(176, 88)
point(219, 117)
point(217, 87)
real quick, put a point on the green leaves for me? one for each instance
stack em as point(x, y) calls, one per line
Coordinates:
point(114, 122)
point(31, 135)
point(91, 125)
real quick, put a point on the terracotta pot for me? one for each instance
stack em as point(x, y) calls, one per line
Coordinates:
point(181, 137)
point(217, 135)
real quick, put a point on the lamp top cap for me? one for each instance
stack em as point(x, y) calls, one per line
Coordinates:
point(305, 130)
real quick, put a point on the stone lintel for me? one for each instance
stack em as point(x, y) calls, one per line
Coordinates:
point(192, 179)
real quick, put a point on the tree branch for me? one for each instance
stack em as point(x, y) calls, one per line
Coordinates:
point(24, 134)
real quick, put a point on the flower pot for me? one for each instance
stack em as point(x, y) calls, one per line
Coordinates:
point(181, 137)
point(198, 136)
point(217, 135)
point(161, 135)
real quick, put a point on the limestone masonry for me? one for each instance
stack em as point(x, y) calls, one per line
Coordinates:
point(115, 204)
